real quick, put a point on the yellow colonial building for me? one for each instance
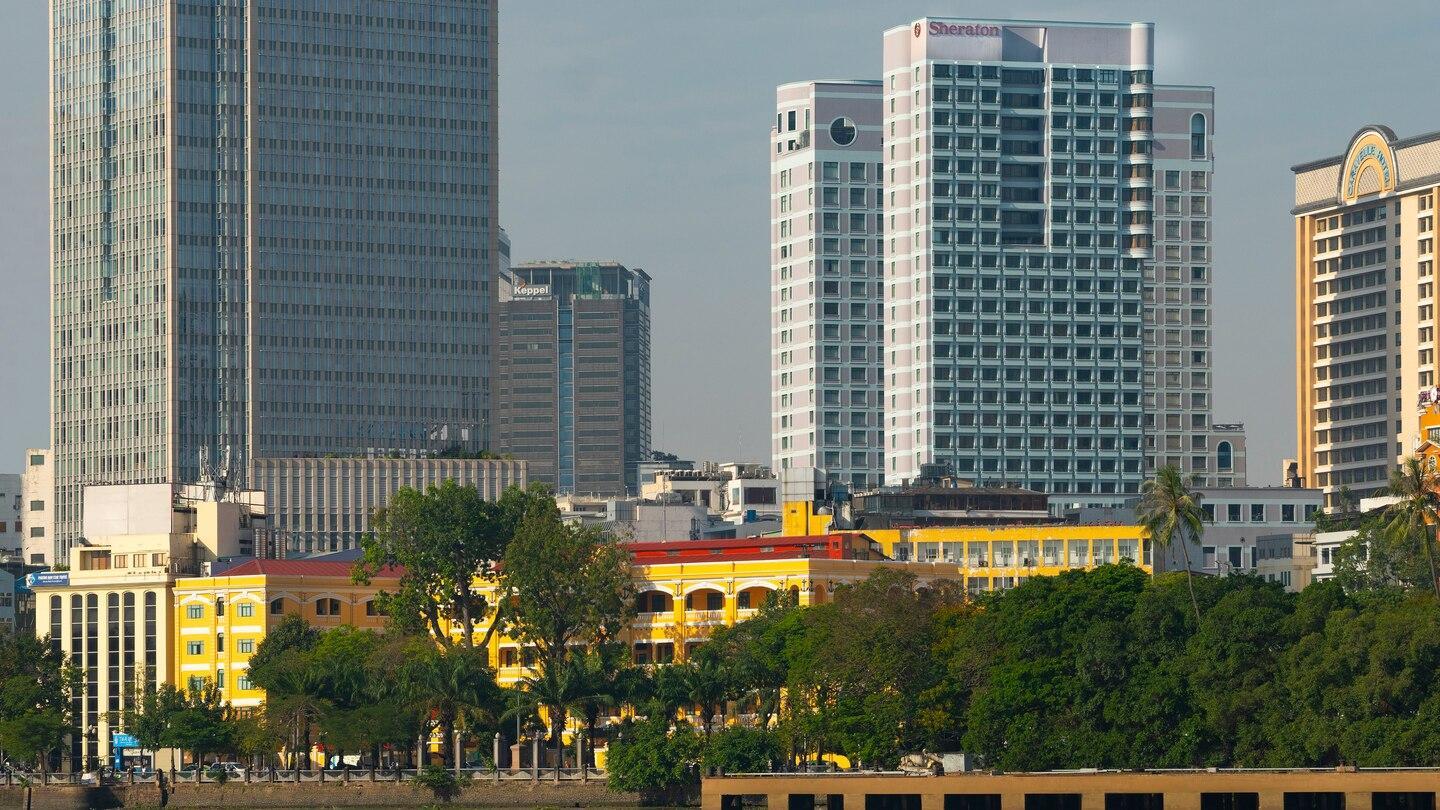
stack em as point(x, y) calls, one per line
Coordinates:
point(110, 613)
point(997, 556)
point(688, 588)
point(220, 620)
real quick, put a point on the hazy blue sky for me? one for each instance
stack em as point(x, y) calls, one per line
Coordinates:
point(638, 131)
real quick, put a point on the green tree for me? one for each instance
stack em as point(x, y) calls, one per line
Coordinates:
point(649, 759)
point(754, 652)
point(556, 689)
point(453, 687)
point(443, 540)
point(1170, 512)
point(295, 701)
point(565, 584)
point(1375, 560)
point(200, 724)
point(609, 680)
point(708, 685)
point(35, 685)
point(566, 588)
point(1412, 519)
point(739, 749)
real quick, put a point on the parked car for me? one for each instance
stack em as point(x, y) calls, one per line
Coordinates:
point(232, 770)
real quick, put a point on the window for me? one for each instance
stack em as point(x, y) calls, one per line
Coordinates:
point(243, 682)
point(195, 612)
point(220, 606)
point(277, 606)
point(1224, 456)
point(842, 131)
point(196, 683)
point(372, 608)
point(1287, 513)
point(1134, 801)
point(194, 647)
point(37, 506)
point(245, 611)
point(1314, 801)
point(1232, 513)
point(37, 461)
point(245, 645)
point(327, 607)
point(219, 642)
point(1229, 801)
point(1197, 136)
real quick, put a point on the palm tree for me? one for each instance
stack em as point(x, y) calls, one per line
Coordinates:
point(707, 686)
point(1415, 515)
point(1168, 508)
point(605, 681)
point(450, 684)
point(555, 689)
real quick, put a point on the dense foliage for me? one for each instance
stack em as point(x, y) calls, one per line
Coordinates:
point(35, 684)
point(446, 540)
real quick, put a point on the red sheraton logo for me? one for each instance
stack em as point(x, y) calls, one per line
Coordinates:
point(940, 29)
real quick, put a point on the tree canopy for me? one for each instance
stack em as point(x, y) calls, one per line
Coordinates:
point(443, 540)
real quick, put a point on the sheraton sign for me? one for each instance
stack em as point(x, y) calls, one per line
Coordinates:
point(940, 29)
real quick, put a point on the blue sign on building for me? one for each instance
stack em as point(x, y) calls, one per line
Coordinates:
point(47, 579)
point(121, 741)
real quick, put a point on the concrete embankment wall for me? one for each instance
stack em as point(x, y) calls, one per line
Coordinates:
point(315, 796)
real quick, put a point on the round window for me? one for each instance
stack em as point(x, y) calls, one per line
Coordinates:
point(842, 131)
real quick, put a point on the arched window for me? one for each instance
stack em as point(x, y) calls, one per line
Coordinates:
point(1224, 456)
point(1197, 136)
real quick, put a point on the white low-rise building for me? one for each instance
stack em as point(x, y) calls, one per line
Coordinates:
point(37, 500)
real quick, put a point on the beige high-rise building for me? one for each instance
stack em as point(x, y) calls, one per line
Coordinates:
point(1365, 307)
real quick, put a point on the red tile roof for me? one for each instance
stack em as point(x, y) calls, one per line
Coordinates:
point(302, 568)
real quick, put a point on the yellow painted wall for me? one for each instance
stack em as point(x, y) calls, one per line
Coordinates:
point(197, 623)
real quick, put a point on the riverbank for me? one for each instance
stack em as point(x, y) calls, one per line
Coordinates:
point(318, 795)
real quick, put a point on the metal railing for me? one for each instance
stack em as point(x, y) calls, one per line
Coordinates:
point(211, 776)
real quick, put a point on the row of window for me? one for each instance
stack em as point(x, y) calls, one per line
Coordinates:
point(1257, 512)
point(324, 606)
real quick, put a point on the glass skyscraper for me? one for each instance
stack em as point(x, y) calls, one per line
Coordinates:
point(273, 227)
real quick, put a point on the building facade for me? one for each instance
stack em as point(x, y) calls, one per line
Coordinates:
point(687, 589)
point(12, 517)
point(320, 505)
point(273, 230)
point(110, 613)
point(1178, 292)
point(826, 290)
point(1018, 173)
point(221, 620)
point(1365, 308)
point(573, 375)
point(37, 498)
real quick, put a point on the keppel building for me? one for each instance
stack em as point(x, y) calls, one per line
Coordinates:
point(826, 290)
point(573, 375)
point(272, 234)
point(1365, 308)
